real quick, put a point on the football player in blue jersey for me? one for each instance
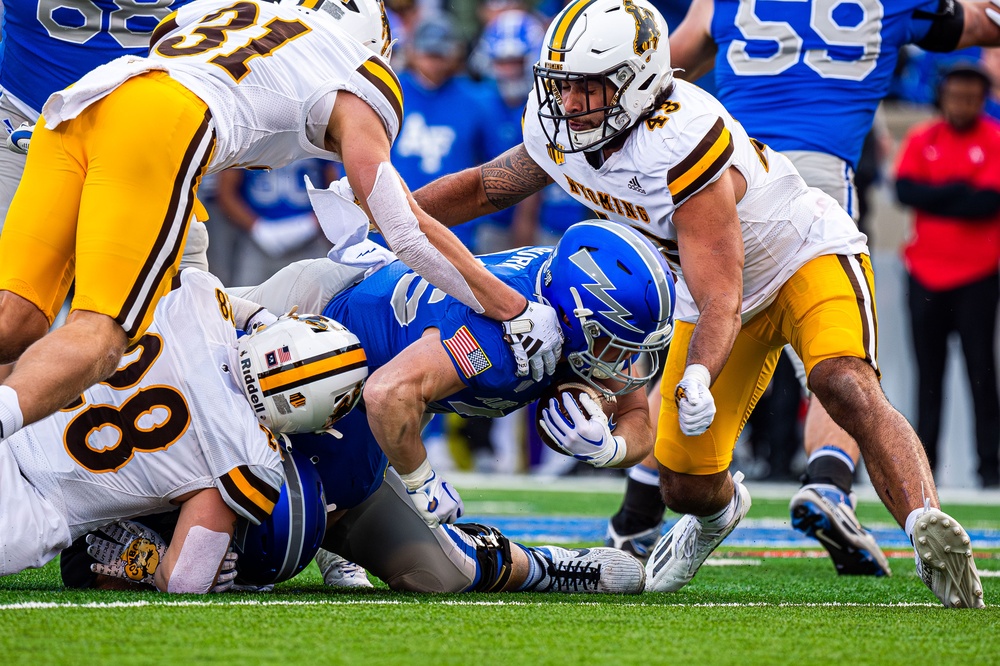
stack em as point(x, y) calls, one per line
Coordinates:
point(790, 72)
point(428, 352)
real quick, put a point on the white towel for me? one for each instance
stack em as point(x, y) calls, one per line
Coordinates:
point(345, 224)
point(96, 84)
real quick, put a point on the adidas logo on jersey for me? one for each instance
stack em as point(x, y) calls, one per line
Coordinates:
point(635, 186)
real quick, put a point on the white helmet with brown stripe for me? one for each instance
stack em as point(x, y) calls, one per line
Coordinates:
point(364, 20)
point(301, 373)
point(618, 42)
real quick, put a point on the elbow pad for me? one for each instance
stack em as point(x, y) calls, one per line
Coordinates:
point(198, 564)
point(401, 229)
point(947, 25)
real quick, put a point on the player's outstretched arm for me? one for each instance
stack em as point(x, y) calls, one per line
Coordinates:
point(396, 397)
point(495, 185)
point(710, 245)
point(357, 134)
point(199, 545)
point(692, 48)
point(634, 426)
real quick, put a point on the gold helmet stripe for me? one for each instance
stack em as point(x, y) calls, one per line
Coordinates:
point(312, 369)
point(564, 24)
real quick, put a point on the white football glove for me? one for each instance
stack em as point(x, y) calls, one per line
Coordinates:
point(227, 574)
point(695, 404)
point(279, 237)
point(19, 139)
point(133, 554)
point(994, 14)
point(586, 439)
point(536, 339)
point(435, 499)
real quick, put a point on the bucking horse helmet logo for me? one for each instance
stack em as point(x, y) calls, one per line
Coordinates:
point(647, 34)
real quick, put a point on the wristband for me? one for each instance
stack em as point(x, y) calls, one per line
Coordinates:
point(419, 476)
point(698, 372)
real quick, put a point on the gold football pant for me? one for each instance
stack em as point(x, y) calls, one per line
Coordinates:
point(106, 198)
point(825, 310)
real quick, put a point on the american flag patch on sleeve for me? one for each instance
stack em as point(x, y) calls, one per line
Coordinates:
point(467, 353)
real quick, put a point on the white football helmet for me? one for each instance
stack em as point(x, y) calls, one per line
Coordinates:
point(364, 20)
point(301, 373)
point(620, 42)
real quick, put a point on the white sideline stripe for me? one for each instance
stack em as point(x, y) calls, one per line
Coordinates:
point(44, 605)
point(989, 573)
point(732, 562)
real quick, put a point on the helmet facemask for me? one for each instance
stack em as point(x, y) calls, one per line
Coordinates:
point(626, 365)
point(551, 84)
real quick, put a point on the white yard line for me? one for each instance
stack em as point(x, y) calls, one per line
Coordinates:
point(39, 605)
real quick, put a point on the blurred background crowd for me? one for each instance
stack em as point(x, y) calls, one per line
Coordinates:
point(465, 69)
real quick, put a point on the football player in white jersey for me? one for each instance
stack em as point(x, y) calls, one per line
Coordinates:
point(112, 174)
point(176, 424)
point(763, 260)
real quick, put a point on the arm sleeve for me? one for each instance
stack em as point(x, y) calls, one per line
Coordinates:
point(940, 29)
point(957, 200)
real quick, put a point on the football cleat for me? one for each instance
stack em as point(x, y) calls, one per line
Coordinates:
point(638, 544)
point(594, 570)
point(943, 553)
point(679, 553)
point(824, 512)
point(338, 572)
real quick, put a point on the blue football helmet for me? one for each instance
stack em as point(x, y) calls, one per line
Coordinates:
point(283, 544)
point(514, 35)
point(614, 294)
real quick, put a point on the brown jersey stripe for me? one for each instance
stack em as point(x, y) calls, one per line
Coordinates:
point(717, 141)
point(163, 28)
point(143, 293)
point(711, 158)
point(382, 77)
point(250, 493)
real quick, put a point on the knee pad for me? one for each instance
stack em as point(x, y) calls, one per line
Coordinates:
point(492, 555)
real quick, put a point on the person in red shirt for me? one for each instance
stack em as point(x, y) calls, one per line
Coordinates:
point(949, 172)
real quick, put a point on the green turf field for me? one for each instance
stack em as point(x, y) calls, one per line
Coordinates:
point(752, 611)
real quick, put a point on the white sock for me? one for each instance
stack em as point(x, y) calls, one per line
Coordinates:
point(11, 419)
point(723, 517)
point(645, 475)
point(911, 521)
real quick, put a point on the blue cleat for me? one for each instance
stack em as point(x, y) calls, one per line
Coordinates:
point(825, 513)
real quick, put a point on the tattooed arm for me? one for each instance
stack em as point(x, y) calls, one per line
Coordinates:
point(498, 184)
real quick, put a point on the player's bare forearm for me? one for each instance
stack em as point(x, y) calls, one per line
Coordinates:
point(455, 198)
point(512, 177)
point(692, 48)
point(979, 29)
point(633, 424)
point(397, 394)
point(710, 245)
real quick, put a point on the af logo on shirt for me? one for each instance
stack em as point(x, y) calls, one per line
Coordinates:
point(431, 143)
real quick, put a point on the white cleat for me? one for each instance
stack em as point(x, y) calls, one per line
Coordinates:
point(594, 570)
point(338, 572)
point(679, 553)
point(943, 553)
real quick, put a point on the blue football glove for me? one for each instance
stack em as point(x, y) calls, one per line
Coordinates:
point(19, 139)
point(586, 438)
point(434, 498)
